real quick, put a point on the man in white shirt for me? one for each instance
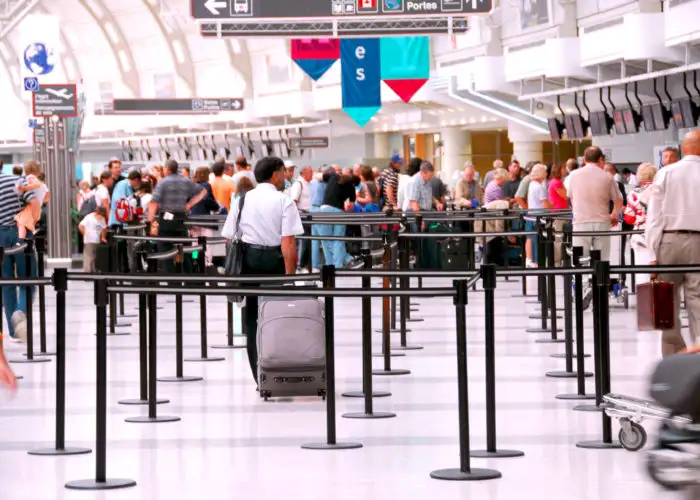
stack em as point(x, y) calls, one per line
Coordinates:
point(244, 170)
point(102, 192)
point(591, 190)
point(268, 226)
point(300, 193)
point(673, 234)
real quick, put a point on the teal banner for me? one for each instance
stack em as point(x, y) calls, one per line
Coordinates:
point(405, 64)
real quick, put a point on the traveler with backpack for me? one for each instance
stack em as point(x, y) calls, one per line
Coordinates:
point(125, 209)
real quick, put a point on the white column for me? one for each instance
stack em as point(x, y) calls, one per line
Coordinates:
point(456, 149)
point(381, 145)
point(527, 144)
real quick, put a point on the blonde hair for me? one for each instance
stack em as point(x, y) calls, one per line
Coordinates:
point(646, 172)
point(500, 174)
point(32, 168)
point(538, 172)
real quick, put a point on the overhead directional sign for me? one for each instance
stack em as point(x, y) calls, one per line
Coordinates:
point(308, 142)
point(55, 100)
point(254, 10)
point(177, 106)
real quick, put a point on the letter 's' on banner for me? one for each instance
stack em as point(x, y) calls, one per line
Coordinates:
point(360, 78)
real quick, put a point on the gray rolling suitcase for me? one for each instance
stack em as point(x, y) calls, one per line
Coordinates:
point(291, 347)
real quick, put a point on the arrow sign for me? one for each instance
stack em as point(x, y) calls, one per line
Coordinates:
point(213, 6)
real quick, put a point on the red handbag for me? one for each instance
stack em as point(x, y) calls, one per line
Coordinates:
point(656, 307)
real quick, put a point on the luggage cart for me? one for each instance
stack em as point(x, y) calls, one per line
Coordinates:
point(631, 412)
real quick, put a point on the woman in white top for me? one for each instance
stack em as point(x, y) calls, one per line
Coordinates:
point(404, 179)
point(537, 199)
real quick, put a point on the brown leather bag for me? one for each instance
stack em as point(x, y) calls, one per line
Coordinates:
point(656, 308)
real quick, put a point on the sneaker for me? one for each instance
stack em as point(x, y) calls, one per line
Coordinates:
point(355, 264)
point(587, 297)
point(19, 324)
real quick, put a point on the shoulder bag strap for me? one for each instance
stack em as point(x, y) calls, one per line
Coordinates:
point(241, 202)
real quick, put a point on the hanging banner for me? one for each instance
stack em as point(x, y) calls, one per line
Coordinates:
point(315, 56)
point(360, 78)
point(39, 47)
point(405, 64)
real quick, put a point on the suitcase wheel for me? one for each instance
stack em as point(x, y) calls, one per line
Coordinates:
point(632, 436)
point(265, 395)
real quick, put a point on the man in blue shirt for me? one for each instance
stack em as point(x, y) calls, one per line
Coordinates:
point(124, 189)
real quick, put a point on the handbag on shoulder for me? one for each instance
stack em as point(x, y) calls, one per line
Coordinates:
point(234, 254)
point(656, 307)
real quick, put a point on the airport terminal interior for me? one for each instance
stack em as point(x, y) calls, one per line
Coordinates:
point(349, 249)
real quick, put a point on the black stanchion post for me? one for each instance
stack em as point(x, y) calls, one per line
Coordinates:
point(551, 291)
point(204, 356)
point(523, 242)
point(328, 278)
point(60, 284)
point(601, 290)
point(28, 292)
point(367, 392)
point(366, 342)
point(465, 472)
point(230, 344)
point(404, 301)
point(386, 323)
point(179, 368)
point(542, 288)
point(113, 268)
point(633, 276)
point(152, 416)
point(393, 284)
point(101, 482)
point(40, 253)
point(488, 277)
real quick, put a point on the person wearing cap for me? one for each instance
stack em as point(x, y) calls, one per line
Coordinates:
point(268, 227)
point(172, 199)
point(390, 182)
point(290, 168)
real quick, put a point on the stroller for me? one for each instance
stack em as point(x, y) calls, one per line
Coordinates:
point(674, 460)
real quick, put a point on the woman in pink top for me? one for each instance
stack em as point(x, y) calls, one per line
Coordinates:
point(559, 200)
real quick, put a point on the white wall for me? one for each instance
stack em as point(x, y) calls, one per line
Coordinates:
point(636, 148)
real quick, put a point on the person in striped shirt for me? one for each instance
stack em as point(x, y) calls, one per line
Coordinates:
point(11, 204)
point(390, 182)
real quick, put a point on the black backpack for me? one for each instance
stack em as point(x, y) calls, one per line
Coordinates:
point(88, 207)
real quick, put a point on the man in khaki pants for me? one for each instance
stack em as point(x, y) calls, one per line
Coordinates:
point(673, 234)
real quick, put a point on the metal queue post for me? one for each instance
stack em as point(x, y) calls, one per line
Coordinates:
point(544, 292)
point(112, 259)
point(132, 228)
point(101, 481)
point(230, 335)
point(179, 356)
point(551, 291)
point(488, 276)
point(404, 301)
point(27, 249)
point(152, 299)
point(388, 303)
point(367, 391)
point(60, 284)
point(40, 243)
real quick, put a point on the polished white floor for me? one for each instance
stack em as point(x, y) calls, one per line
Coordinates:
point(231, 444)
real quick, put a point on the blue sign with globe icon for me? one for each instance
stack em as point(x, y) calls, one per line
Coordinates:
point(39, 59)
point(392, 5)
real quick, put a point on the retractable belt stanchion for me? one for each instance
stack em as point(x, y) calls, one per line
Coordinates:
point(488, 276)
point(40, 252)
point(101, 482)
point(230, 336)
point(551, 292)
point(404, 301)
point(60, 283)
point(386, 323)
point(27, 290)
point(179, 368)
point(204, 356)
point(143, 358)
point(594, 259)
point(328, 279)
point(134, 228)
point(367, 390)
point(523, 242)
point(543, 289)
point(152, 416)
point(601, 290)
point(633, 276)
point(541, 282)
point(112, 265)
point(465, 472)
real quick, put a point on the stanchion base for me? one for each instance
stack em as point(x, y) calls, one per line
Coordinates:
point(535, 301)
point(160, 419)
point(497, 454)
point(392, 354)
point(414, 320)
point(108, 484)
point(414, 310)
point(565, 374)
point(116, 334)
point(575, 397)
point(598, 445)
point(29, 361)
point(326, 446)
point(360, 394)
point(541, 330)
point(539, 316)
point(184, 378)
point(590, 408)
point(55, 452)
point(184, 301)
point(128, 315)
point(563, 356)
point(204, 360)
point(369, 416)
point(393, 330)
point(228, 346)
point(527, 296)
point(39, 353)
point(407, 347)
point(472, 475)
point(122, 325)
point(391, 372)
point(550, 341)
point(141, 402)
